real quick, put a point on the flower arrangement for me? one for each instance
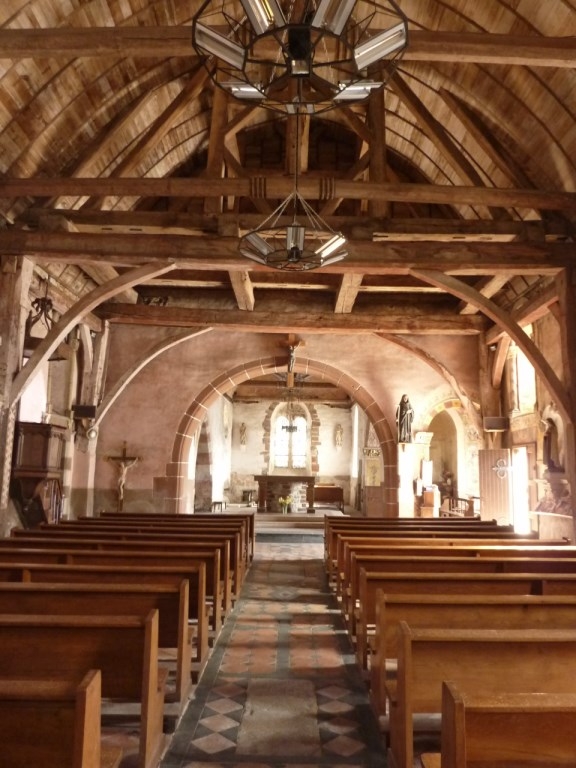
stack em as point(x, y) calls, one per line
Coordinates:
point(284, 501)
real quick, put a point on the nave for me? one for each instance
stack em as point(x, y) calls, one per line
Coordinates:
point(282, 686)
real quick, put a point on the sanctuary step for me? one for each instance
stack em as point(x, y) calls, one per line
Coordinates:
point(264, 521)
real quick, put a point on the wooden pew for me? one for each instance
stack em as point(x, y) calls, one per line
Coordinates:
point(488, 662)
point(506, 730)
point(123, 576)
point(334, 524)
point(236, 531)
point(466, 611)
point(433, 539)
point(346, 580)
point(446, 584)
point(365, 526)
point(65, 599)
point(458, 562)
point(54, 724)
point(149, 542)
point(123, 648)
point(169, 517)
point(125, 553)
point(226, 542)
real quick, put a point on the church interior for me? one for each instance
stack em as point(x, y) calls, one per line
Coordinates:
point(280, 266)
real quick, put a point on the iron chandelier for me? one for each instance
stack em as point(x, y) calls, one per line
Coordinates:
point(300, 58)
point(294, 237)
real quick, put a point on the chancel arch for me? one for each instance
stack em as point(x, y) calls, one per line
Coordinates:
point(186, 438)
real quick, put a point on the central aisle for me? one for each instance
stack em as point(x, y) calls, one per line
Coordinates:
point(281, 686)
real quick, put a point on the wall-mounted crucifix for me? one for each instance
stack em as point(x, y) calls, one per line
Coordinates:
point(293, 343)
point(123, 464)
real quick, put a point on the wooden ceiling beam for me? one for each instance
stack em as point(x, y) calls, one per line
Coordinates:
point(243, 290)
point(297, 145)
point(487, 287)
point(278, 319)
point(210, 253)
point(275, 390)
point(235, 168)
point(486, 141)
point(165, 42)
point(156, 132)
point(376, 119)
point(169, 222)
point(347, 293)
point(533, 310)
point(215, 161)
point(355, 171)
point(99, 273)
point(439, 137)
point(280, 187)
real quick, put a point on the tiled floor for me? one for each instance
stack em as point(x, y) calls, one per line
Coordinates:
point(281, 686)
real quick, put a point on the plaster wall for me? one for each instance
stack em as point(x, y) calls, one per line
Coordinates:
point(247, 459)
point(147, 413)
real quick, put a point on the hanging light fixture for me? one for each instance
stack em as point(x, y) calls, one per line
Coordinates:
point(42, 313)
point(290, 413)
point(294, 237)
point(307, 57)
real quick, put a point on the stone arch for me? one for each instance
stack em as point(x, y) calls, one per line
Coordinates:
point(191, 422)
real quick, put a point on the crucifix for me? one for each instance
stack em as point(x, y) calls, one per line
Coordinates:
point(293, 343)
point(123, 463)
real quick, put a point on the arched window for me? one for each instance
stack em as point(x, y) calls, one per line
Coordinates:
point(521, 379)
point(290, 442)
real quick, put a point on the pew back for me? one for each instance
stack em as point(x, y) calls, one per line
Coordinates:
point(201, 564)
point(52, 723)
point(535, 729)
point(488, 662)
point(64, 599)
point(124, 648)
point(457, 612)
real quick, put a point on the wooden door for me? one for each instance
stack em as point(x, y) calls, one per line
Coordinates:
point(495, 473)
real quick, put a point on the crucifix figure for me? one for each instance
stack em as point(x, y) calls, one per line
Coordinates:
point(123, 463)
point(293, 343)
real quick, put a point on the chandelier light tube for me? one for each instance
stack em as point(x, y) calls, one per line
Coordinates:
point(380, 46)
point(262, 14)
point(333, 15)
point(215, 44)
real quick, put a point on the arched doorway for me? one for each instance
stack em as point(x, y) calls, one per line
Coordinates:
point(444, 455)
